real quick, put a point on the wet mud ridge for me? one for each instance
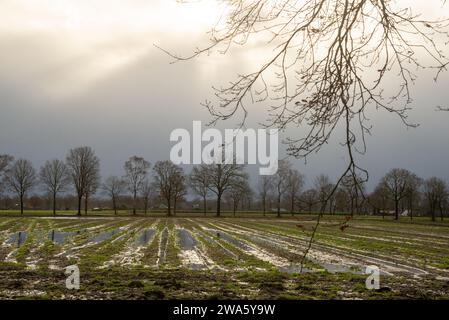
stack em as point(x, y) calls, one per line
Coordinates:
point(162, 247)
point(349, 260)
point(191, 255)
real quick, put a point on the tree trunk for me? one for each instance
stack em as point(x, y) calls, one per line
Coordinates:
point(279, 205)
point(292, 209)
point(264, 206)
point(168, 207)
point(21, 204)
point(352, 206)
point(114, 205)
point(205, 205)
point(79, 205)
point(432, 211)
point(218, 204)
point(86, 200)
point(174, 206)
point(396, 209)
point(134, 203)
point(54, 203)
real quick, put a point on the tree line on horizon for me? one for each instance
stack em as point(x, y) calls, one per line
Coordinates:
point(398, 192)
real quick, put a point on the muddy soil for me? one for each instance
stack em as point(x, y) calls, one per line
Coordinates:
point(183, 258)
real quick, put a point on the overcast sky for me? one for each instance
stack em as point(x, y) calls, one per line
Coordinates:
point(86, 72)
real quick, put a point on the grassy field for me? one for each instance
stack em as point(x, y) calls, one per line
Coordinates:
point(192, 257)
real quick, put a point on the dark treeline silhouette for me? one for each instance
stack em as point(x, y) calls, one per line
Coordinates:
point(75, 184)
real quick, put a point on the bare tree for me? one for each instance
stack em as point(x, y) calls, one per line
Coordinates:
point(295, 183)
point(396, 182)
point(436, 193)
point(21, 178)
point(221, 178)
point(310, 198)
point(280, 182)
point(248, 196)
point(179, 188)
point(413, 193)
point(354, 187)
point(237, 191)
point(380, 199)
point(265, 187)
point(331, 61)
point(325, 62)
point(342, 200)
point(84, 168)
point(93, 181)
point(54, 175)
point(325, 188)
point(166, 178)
point(199, 183)
point(146, 191)
point(114, 188)
point(136, 170)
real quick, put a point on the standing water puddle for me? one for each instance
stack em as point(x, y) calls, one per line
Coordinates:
point(339, 268)
point(59, 237)
point(189, 253)
point(294, 268)
point(145, 237)
point(186, 240)
point(222, 235)
point(104, 235)
point(18, 238)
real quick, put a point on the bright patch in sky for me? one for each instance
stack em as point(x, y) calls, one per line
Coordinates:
point(89, 39)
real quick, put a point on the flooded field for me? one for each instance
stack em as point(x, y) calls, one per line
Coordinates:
point(154, 258)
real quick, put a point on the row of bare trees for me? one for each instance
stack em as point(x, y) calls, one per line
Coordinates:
point(81, 173)
point(287, 182)
point(167, 183)
point(404, 191)
point(81, 170)
point(399, 191)
point(220, 180)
